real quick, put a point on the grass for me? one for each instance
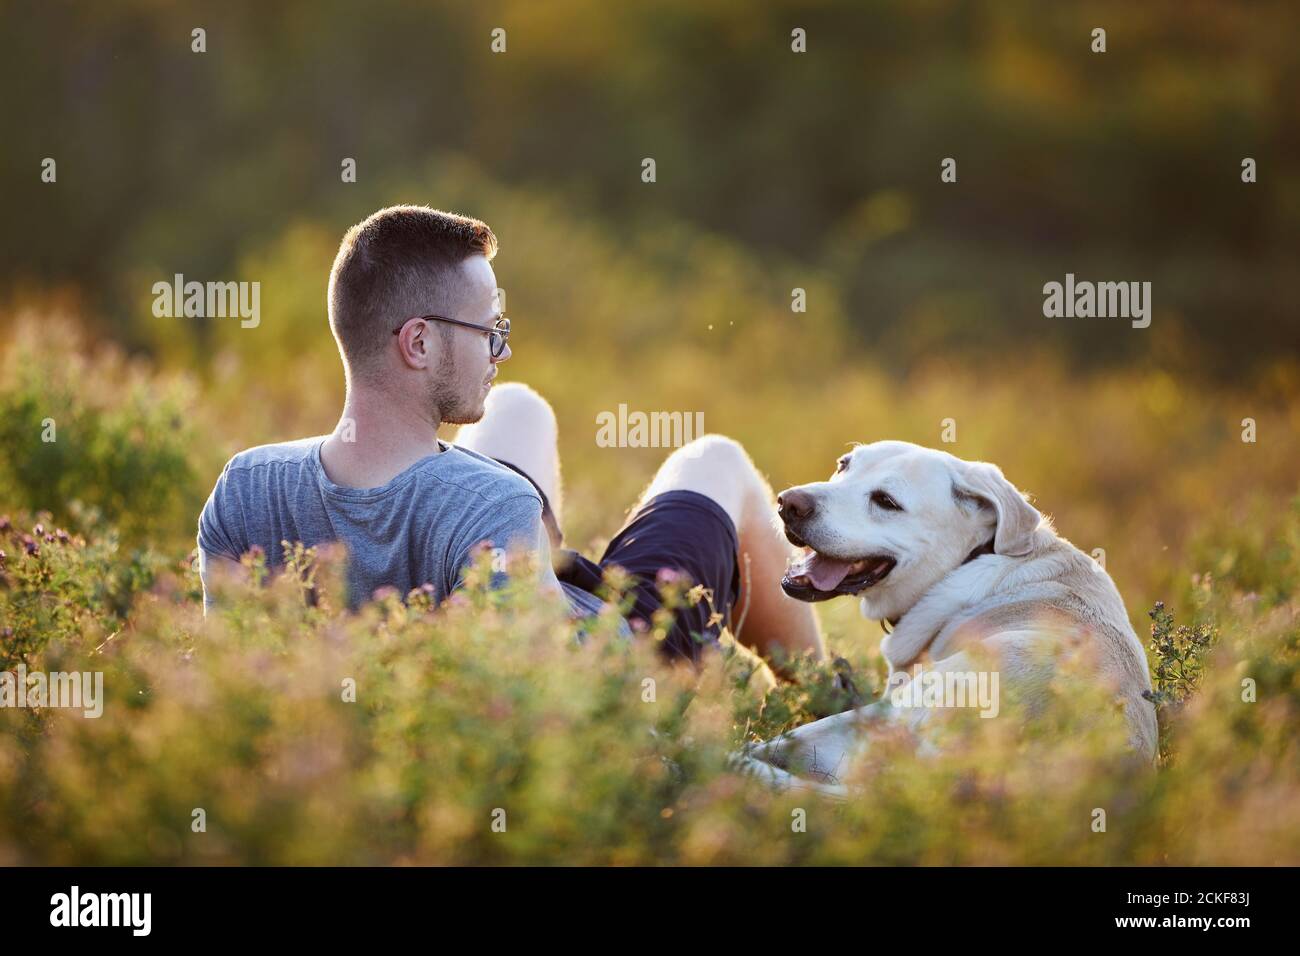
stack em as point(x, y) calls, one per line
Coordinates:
point(300, 734)
point(279, 730)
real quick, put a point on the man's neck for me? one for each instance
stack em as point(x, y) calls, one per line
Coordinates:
point(375, 440)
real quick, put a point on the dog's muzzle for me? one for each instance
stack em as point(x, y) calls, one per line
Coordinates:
point(818, 578)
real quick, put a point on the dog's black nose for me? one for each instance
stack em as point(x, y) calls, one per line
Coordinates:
point(795, 505)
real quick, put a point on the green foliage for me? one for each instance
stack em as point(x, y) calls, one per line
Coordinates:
point(1179, 654)
point(1179, 661)
point(402, 733)
point(63, 589)
point(99, 439)
point(493, 701)
point(829, 157)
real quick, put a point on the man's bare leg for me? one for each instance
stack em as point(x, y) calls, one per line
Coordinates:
point(518, 426)
point(765, 617)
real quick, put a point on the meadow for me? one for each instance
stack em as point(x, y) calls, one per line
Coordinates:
point(483, 732)
point(800, 275)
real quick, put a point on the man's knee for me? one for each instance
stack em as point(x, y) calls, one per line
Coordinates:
point(715, 466)
point(726, 458)
point(718, 451)
point(523, 408)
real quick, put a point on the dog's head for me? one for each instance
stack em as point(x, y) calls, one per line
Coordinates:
point(894, 520)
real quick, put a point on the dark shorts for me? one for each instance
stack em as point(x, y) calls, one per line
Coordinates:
point(677, 531)
point(680, 531)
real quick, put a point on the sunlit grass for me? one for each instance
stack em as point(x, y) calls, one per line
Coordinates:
point(492, 704)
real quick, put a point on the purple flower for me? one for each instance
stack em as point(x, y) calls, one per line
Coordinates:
point(668, 576)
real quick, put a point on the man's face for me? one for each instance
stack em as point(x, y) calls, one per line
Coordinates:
point(459, 383)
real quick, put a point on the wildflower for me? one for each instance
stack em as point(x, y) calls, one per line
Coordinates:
point(422, 598)
point(5, 524)
point(667, 576)
point(30, 545)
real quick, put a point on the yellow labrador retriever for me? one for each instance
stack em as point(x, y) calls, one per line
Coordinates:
point(951, 554)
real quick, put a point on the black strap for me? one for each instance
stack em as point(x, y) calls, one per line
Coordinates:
point(548, 516)
point(983, 549)
point(571, 567)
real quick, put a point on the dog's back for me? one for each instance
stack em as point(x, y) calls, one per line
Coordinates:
point(1056, 594)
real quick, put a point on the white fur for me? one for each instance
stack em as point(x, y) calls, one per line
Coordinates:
point(1027, 603)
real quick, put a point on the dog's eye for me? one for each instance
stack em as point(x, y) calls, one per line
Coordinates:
point(881, 499)
point(842, 464)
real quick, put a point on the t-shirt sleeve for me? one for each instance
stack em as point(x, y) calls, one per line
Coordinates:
point(514, 522)
point(518, 522)
point(220, 528)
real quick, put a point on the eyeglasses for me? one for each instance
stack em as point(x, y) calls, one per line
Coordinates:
point(497, 335)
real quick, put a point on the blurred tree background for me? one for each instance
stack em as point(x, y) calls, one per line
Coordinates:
point(1122, 165)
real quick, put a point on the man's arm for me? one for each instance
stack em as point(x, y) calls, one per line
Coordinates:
point(218, 547)
point(212, 567)
point(546, 574)
point(515, 523)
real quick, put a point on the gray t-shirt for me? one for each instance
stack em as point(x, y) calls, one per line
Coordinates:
point(419, 528)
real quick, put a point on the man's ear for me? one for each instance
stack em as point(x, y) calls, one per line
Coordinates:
point(1016, 518)
point(414, 344)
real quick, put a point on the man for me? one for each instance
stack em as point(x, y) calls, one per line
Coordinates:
point(413, 307)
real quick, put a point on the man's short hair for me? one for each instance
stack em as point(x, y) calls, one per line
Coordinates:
point(397, 263)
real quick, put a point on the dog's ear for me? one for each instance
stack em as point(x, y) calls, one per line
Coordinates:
point(1017, 518)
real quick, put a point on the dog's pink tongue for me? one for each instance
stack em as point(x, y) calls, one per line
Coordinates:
point(826, 573)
